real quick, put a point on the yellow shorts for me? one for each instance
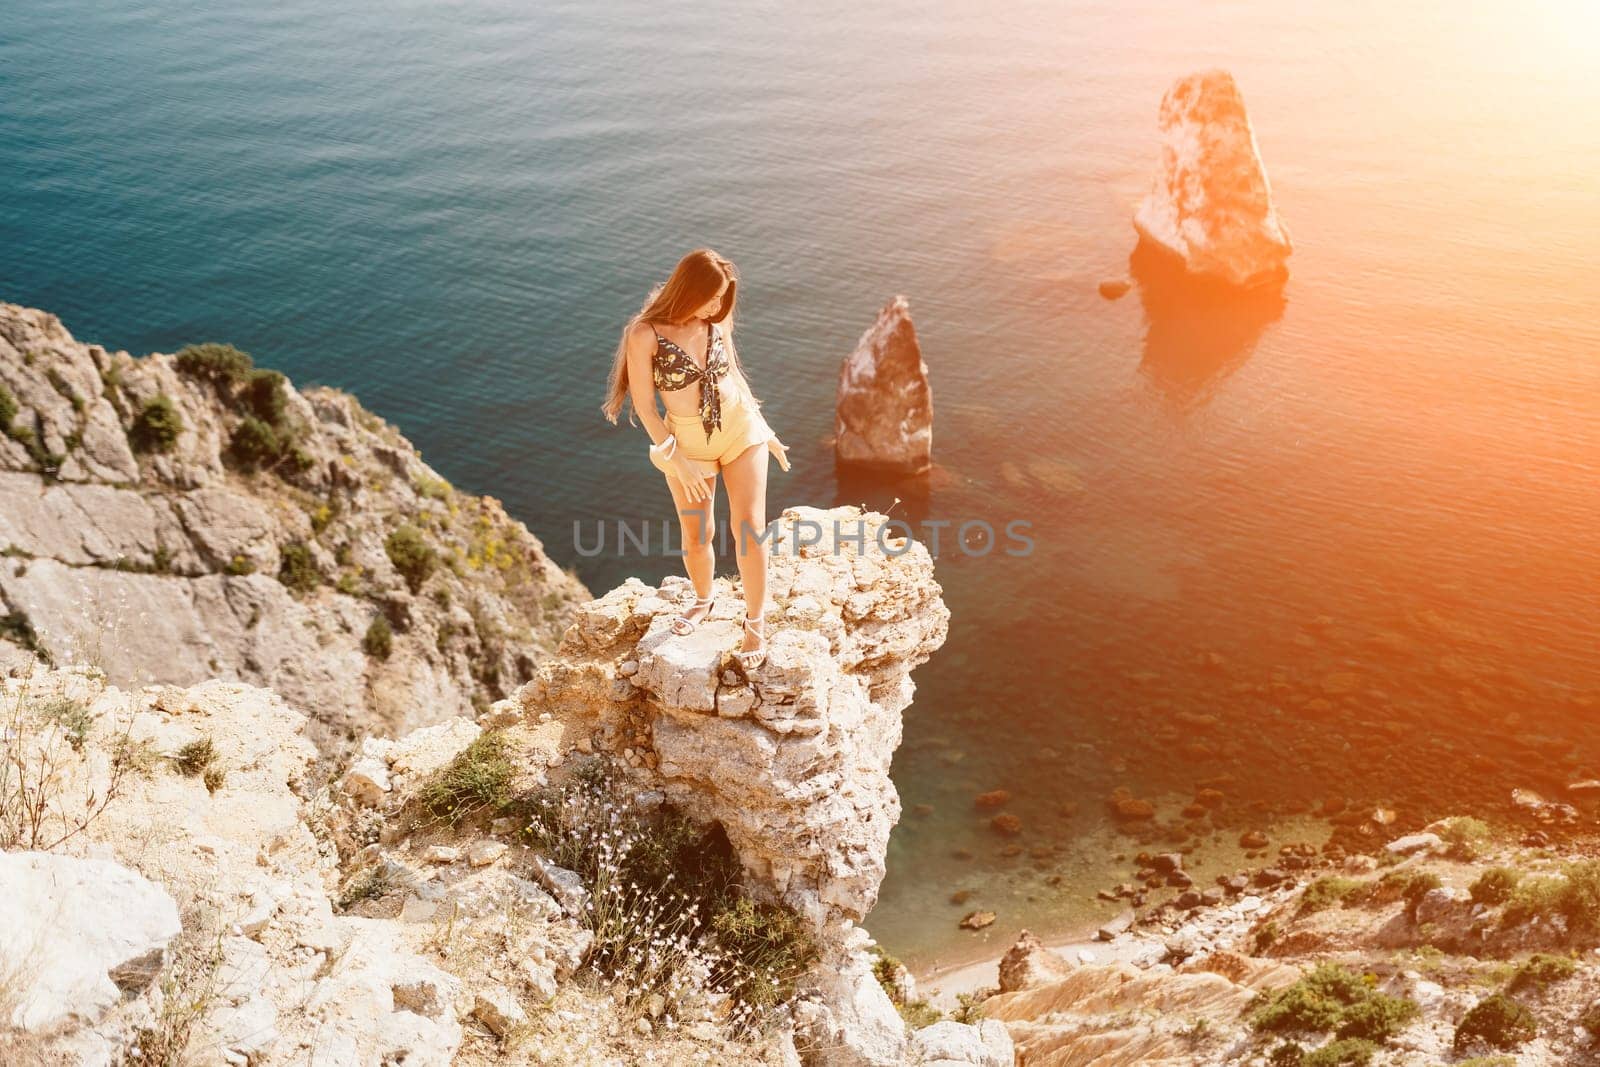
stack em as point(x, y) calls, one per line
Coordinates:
point(742, 426)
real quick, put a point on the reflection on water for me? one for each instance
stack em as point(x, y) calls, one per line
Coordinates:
point(1359, 566)
point(1198, 333)
point(907, 498)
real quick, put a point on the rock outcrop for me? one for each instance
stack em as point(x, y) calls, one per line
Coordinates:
point(321, 919)
point(180, 518)
point(1210, 203)
point(884, 415)
point(791, 760)
point(76, 934)
point(173, 806)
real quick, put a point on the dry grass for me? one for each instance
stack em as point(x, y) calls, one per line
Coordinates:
point(46, 795)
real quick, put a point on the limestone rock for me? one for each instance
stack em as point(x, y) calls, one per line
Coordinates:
point(1028, 963)
point(566, 886)
point(852, 1023)
point(483, 853)
point(1210, 203)
point(1412, 843)
point(947, 1043)
point(884, 410)
point(167, 563)
point(801, 785)
point(279, 970)
point(497, 1008)
point(75, 934)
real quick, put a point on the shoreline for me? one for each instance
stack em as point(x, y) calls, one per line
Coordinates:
point(941, 985)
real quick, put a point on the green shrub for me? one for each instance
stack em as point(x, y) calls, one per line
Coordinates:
point(254, 444)
point(919, 1013)
point(662, 885)
point(1287, 1054)
point(1574, 895)
point(1378, 1017)
point(1498, 1021)
point(264, 395)
point(296, 568)
point(433, 488)
point(1534, 895)
point(1332, 997)
point(1541, 970)
point(1464, 836)
point(1580, 896)
point(48, 463)
point(368, 883)
point(1407, 884)
point(74, 718)
point(379, 641)
point(322, 515)
point(221, 365)
point(240, 565)
point(157, 426)
point(1494, 886)
point(1344, 1052)
point(411, 555)
point(1326, 892)
point(478, 779)
point(195, 757)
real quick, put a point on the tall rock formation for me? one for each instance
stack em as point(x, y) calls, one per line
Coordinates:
point(793, 760)
point(178, 518)
point(884, 413)
point(1210, 203)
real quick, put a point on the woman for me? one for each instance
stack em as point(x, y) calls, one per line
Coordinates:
point(681, 344)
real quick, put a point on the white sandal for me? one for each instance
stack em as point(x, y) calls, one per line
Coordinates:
point(683, 626)
point(755, 657)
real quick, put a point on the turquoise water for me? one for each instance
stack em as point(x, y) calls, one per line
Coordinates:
point(1343, 546)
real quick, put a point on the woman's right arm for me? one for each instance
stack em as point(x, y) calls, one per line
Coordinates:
point(641, 388)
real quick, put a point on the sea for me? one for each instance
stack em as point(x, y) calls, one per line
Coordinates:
point(1334, 549)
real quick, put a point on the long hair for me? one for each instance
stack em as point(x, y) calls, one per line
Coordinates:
point(695, 279)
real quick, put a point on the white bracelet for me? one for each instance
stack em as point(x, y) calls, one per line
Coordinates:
point(670, 440)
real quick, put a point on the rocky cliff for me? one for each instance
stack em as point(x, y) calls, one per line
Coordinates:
point(792, 761)
point(183, 517)
point(209, 888)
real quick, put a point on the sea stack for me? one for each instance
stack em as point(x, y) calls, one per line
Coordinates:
point(884, 415)
point(1210, 203)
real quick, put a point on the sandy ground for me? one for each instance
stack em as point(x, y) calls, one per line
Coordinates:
point(941, 987)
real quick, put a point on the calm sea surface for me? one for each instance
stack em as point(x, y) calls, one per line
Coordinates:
point(1342, 546)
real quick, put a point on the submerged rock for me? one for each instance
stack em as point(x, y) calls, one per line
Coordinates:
point(1210, 203)
point(884, 412)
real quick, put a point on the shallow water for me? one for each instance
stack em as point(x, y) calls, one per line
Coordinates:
point(1344, 545)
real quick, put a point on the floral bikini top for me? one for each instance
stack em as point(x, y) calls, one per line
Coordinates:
point(673, 369)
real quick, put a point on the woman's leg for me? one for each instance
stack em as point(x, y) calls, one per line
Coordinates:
point(746, 478)
point(697, 523)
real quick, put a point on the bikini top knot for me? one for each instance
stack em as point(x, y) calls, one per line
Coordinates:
point(673, 369)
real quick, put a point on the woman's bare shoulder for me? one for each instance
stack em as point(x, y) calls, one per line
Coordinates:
point(641, 336)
